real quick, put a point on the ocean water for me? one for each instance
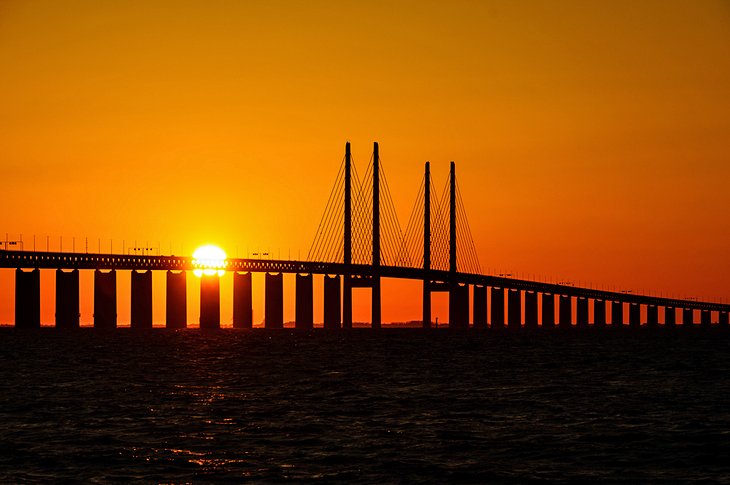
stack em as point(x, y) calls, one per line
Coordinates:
point(395, 406)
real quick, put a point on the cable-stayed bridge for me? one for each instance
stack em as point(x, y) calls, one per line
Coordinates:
point(358, 242)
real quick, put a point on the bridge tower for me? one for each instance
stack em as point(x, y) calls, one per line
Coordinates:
point(427, 247)
point(375, 317)
point(347, 293)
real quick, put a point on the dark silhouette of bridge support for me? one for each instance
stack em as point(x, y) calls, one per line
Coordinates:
point(375, 279)
point(141, 300)
point(242, 300)
point(331, 302)
point(530, 309)
point(274, 301)
point(458, 306)
point(304, 302)
point(210, 302)
point(581, 309)
point(67, 299)
point(105, 300)
point(652, 316)
point(427, 246)
point(479, 308)
point(670, 316)
point(497, 308)
point(617, 313)
point(599, 313)
point(548, 310)
point(565, 311)
point(176, 304)
point(688, 317)
point(634, 315)
point(27, 299)
point(723, 319)
point(347, 251)
point(514, 309)
point(705, 318)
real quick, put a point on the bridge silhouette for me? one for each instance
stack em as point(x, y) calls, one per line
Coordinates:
point(358, 242)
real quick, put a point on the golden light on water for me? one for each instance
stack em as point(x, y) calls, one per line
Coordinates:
point(209, 260)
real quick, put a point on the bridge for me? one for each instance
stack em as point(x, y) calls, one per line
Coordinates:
point(358, 242)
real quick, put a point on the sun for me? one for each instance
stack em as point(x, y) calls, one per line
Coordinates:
point(209, 260)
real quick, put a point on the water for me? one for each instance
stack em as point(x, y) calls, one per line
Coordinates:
point(364, 407)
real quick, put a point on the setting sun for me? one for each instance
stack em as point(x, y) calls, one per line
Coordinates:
point(209, 260)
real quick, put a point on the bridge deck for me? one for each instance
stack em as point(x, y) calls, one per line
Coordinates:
point(50, 260)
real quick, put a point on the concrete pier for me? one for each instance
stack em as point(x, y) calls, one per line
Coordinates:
point(105, 300)
point(67, 299)
point(514, 309)
point(141, 300)
point(565, 311)
point(27, 299)
point(210, 302)
point(599, 313)
point(497, 308)
point(459, 306)
point(635, 315)
point(652, 316)
point(480, 306)
point(705, 320)
point(581, 320)
point(530, 309)
point(304, 301)
point(242, 300)
point(548, 310)
point(176, 302)
point(670, 316)
point(274, 304)
point(688, 317)
point(332, 302)
point(617, 313)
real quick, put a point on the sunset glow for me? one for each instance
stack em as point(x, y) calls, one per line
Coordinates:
point(209, 260)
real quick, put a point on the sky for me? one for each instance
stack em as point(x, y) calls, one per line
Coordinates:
point(591, 138)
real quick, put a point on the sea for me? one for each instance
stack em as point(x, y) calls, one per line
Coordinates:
point(364, 406)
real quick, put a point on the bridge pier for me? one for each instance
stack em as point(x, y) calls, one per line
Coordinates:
point(582, 312)
point(242, 300)
point(670, 316)
point(67, 299)
point(530, 309)
point(331, 302)
point(548, 310)
point(723, 319)
point(514, 309)
point(105, 300)
point(617, 313)
point(497, 308)
point(705, 320)
point(304, 303)
point(565, 311)
point(27, 299)
point(688, 316)
point(176, 304)
point(599, 313)
point(274, 301)
point(458, 306)
point(141, 300)
point(480, 306)
point(210, 302)
point(635, 315)
point(652, 316)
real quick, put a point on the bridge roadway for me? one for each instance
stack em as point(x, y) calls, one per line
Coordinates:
point(51, 260)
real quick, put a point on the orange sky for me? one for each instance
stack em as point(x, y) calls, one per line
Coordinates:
point(592, 139)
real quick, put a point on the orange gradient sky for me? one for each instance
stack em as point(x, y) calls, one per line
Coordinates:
point(592, 139)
